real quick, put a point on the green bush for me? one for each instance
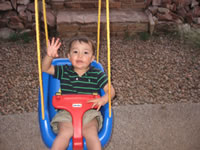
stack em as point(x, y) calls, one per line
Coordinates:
point(192, 38)
point(25, 37)
point(144, 36)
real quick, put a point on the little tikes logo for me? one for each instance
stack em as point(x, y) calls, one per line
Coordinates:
point(76, 105)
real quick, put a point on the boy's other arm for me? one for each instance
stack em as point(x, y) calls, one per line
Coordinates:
point(104, 99)
point(106, 90)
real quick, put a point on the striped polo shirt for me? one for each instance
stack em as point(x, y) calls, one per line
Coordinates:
point(71, 83)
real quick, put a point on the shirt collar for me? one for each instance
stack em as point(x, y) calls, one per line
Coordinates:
point(72, 69)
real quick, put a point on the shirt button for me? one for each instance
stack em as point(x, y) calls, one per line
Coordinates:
point(76, 79)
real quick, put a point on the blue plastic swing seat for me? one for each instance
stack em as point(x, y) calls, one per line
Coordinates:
point(50, 87)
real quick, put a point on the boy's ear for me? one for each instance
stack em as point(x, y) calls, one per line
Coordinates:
point(68, 56)
point(93, 57)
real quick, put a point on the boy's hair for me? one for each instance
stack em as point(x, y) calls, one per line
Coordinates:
point(82, 39)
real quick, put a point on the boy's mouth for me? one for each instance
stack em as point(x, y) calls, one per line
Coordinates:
point(79, 61)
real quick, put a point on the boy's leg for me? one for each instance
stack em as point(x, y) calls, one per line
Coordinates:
point(62, 139)
point(90, 132)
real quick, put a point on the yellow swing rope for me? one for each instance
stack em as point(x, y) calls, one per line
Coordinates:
point(98, 29)
point(45, 21)
point(38, 55)
point(108, 49)
point(108, 46)
point(38, 47)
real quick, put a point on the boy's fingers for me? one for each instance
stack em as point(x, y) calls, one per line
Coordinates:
point(99, 108)
point(90, 101)
point(57, 41)
point(94, 105)
point(58, 46)
point(53, 40)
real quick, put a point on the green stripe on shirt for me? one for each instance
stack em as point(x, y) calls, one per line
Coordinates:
point(88, 88)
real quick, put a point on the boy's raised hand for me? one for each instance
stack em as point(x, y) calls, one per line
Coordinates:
point(53, 46)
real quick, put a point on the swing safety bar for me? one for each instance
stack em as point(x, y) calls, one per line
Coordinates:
point(77, 105)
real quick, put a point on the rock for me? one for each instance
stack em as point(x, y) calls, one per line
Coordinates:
point(15, 23)
point(164, 17)
point(166, 1)
point(151, 23)
point(9, 14)
point(175, 16)
point(163, 10)
point(171, 7)
point(23, 15)
point(194, 3)
point(185, 28)
point(21, 8)
point(14, 4)
point(196, 11)
point(153, 9)
point(148, 3)
point(4, 6)
point(156, 2)
point(182, 12)
point(182, 3)
point(51, 19)
point(5, 33)
point(197, 20)
point(3, 22)
point(29, 16)
point(23, 2)
point(189, 17)
point(31, 6)
point(26, 31)
point(179, 21)
point(155, 19)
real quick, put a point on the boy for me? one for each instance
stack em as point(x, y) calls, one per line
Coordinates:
point(80, 78)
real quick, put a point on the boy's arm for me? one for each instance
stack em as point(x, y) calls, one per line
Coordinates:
point(47, 66)
point(104, 99)
point(52, 52)
point(106, 90)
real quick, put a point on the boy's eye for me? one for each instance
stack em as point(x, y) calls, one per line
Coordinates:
point(75, 51)
point(85, 52)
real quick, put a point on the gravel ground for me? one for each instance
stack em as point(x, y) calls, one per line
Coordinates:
point(158, 71)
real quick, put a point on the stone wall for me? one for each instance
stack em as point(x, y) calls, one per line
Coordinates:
point(178, 11)
point(93, 4)
point(19, 15)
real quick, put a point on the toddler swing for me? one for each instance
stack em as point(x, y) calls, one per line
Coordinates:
point(75, 104)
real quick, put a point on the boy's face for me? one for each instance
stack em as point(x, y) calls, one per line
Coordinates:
point(81, 55)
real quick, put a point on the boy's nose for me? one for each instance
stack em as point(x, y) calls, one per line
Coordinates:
point(80, 55)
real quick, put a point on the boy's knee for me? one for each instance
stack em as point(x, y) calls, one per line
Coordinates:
point(66, 130)
point(66, 134)
point(90, 129)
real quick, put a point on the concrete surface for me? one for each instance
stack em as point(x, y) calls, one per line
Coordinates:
point(136, 127)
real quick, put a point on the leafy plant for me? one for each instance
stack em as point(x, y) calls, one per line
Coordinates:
point(25, 37)
point(144, 36)
point(192, 38)
point(14, 37)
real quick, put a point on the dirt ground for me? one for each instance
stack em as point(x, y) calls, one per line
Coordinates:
point(159, 70)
